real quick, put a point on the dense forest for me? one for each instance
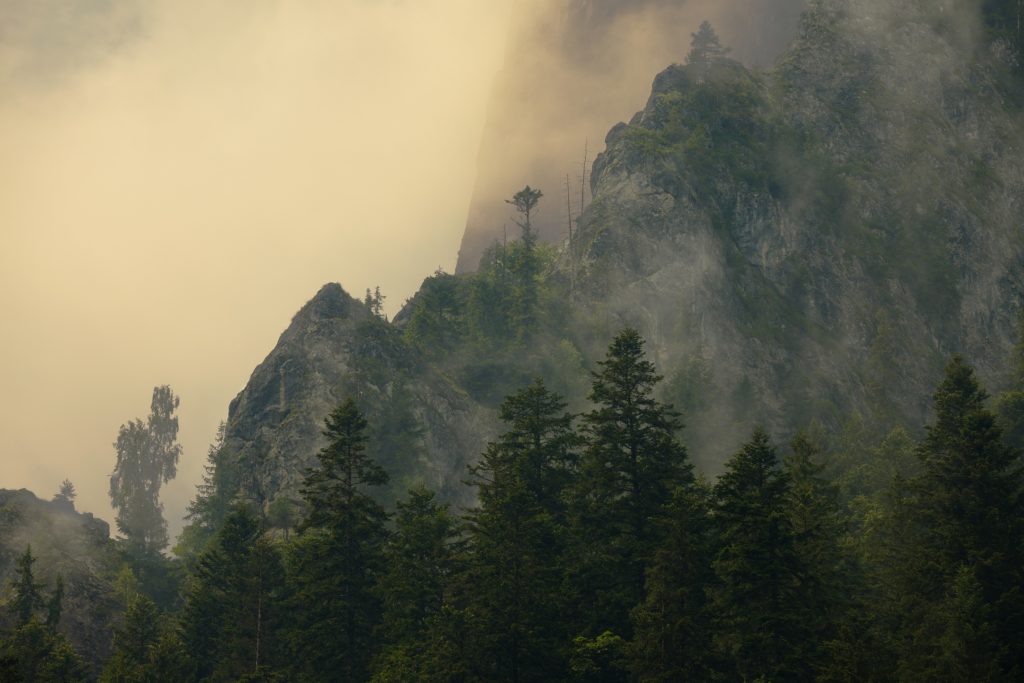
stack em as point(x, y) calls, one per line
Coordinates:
point(865, 531)
point(596, 553)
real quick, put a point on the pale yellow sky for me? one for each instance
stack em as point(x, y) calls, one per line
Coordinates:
point(174, 190)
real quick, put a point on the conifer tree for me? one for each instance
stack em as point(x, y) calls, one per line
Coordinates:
point(421, 561)
point(55, 604)
point(755, 597)
point(338, 556)
point(516, 540)
point(818, 526)
point(28, 595)
point(631, 466)
point(672, 627)
point(969, 524)
point(705, 50)
point(231, 621)
point(527, 266)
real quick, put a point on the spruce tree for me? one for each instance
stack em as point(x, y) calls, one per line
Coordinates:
point(527, 266)
point(969, 524)
point(339, 555)
point(705, 50)
point(631, 466)
point(231, 621)
point(421, 561)
point(55, 604)
point(755, 596)
point(672, 627)
point(28, 595)
point(516, 541)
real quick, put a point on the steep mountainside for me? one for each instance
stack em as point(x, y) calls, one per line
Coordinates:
point(76, 547)
point(805, 244)
point(573, 68)
point(425, 427)
point(823, 236)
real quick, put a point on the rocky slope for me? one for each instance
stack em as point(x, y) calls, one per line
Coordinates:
point(334, 348)
point(79, 549)
point(573, 68)
point(826, 234)
point(809, 243)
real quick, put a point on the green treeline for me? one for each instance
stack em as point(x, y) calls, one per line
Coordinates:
point(595, 552)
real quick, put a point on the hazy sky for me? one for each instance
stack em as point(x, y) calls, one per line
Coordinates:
point(177, 177)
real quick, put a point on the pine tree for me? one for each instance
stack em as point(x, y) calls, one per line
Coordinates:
point(66, 494)
point(55, 604)
point(421, 561)
point(705, 50)
point(631, 466)
point(338, 556)
point(231, 621)
point(672, 627)
point(516, 540)
point(968, 514)
point(758, 573)
point(213, 500)
point(818, 527)
point(28, 596)
point(527, 267)
point(36, 653)
point(134, 642)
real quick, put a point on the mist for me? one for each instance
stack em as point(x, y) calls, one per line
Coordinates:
point(178, 177)
point(574, 69)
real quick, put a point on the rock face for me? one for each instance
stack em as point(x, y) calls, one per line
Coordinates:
point(75, 546)
point(574, 67)
point(823, 236)
point(335, 348)
point(808, 243)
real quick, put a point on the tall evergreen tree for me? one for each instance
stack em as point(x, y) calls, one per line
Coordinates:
point(969, 523)
point(672, 627)
point(421, 561)
point(755, 597)
point(516, 540)
point(632, 464)
point(339, 555)
point(231, 622)
point(527, 266)
point(28, 594)
point(147, 458)
point(705, 50)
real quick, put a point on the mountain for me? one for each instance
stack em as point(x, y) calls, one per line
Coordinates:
point(573, 68)
point(806, 244)
point(75, 546)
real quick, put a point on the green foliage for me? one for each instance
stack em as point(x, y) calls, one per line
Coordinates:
point(28, 594)
point(147, 457)
point(632, 464)
point(213, 501)
point(34, 653)
point(757, 567)
point(517, 540)
point(339, 555)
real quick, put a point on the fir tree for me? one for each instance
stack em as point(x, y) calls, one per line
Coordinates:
point(672, 627)
point(28, 595)
point(527, 267)
point(339, 555)
point(967, 510)
point(631, 466)
point(705, 50)
point(516, 540)
point(55, 604)
point(755, 597)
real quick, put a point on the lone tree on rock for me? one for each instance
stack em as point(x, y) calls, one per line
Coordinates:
point(705, 50)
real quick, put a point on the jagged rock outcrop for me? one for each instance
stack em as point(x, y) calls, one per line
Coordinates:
point(335, 348)
point(825, 235)
point(572, 68)
point(76, 546)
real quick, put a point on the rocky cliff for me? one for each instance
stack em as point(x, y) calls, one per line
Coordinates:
point(809, 243)
point(426, 427)
point(76, 547)
point(824, 235)
point(574, 67)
